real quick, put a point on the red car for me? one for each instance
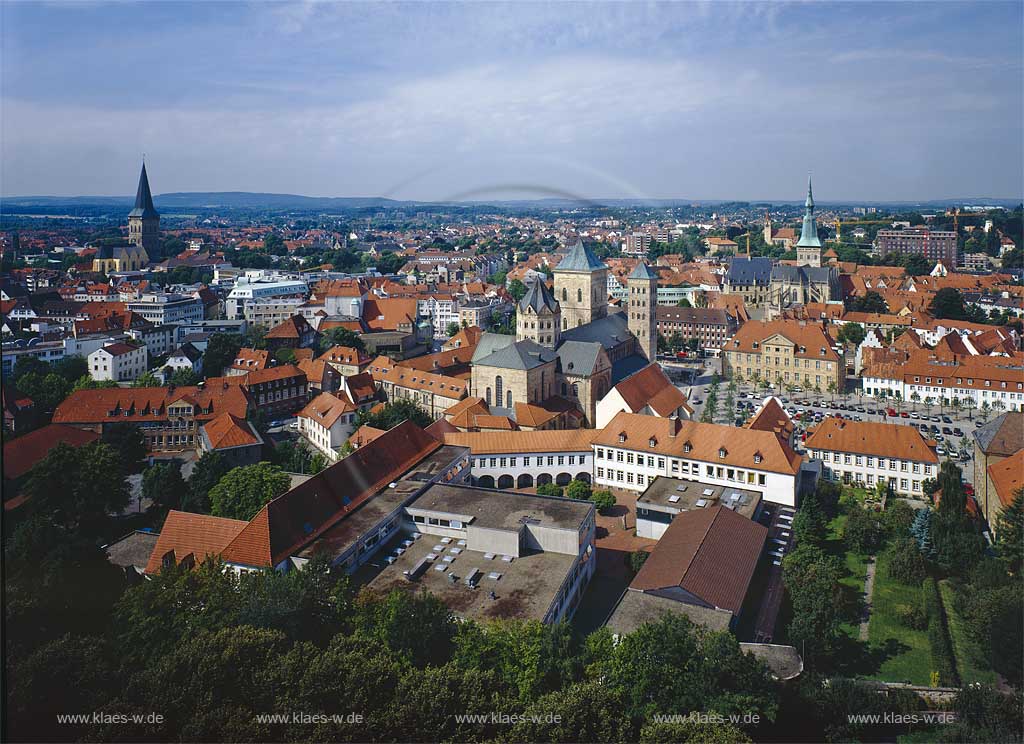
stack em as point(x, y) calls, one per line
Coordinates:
point(891, 411)
point(904, 415)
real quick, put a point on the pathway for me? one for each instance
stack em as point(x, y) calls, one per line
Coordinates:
point(869, 586)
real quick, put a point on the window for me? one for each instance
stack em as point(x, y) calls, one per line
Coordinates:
point(722, 452)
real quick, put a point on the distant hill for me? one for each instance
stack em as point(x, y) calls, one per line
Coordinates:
point(257, 200)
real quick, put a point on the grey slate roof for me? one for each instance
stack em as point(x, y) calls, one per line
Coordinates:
point(490, 343)
point(609, 331)
point(1003, 435)
point(642, 271)
point(538, 297)
point(750, 270)
point(143, 198)
point(580, 258)
point(578, 357)
point(519, 355)
point(801, 274)
point(627, 366)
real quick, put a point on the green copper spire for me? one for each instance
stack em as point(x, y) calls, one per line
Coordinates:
point(809, 232)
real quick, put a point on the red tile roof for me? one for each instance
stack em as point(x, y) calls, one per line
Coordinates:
point(870, 438)
point(1007, 476)
point(198, 535)
point(108, 405)
point(326, 408)
point(22, 453)
point(296, 518)
point(650, 386)
point(228, 430)
point(710, 553)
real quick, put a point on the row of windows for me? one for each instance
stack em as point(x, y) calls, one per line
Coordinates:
point(902, 484)
point(862, 460)
point(528, 461)
point(683, 467)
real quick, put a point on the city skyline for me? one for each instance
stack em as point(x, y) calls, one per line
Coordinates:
point(455, 102)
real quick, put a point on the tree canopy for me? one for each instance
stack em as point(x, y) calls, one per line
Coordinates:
point(243, 491)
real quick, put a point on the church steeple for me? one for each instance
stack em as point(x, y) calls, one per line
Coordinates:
point(808, 248)
point(809, 232)
point(144, 221)
point(143, 198)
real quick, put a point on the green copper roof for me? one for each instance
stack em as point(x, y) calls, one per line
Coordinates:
point(809, 232)
point(580, 258)
point(642, 271)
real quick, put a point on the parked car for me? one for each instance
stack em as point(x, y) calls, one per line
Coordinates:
point(904, 414)
point(947, 420)
point(890, 411)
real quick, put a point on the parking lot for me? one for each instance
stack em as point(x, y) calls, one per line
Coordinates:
point(951, 429)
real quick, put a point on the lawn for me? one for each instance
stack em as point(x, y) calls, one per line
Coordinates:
point(853, 580)
point(909, 657)
point(969, 661)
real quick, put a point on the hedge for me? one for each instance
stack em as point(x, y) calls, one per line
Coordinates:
point(938, 635)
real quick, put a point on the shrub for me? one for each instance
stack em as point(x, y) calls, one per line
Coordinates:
point(912, 616)
point(636, 560)
point(897, 517)
point(603, 500)
point(862, 531)
point(549, 489)
point(906, 564)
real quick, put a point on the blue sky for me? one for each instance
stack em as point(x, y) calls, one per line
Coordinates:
point(888, 101)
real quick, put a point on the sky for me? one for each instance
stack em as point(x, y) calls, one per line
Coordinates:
point(893, 101)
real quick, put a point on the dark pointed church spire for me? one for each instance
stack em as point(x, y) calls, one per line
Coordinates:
point(143, 198)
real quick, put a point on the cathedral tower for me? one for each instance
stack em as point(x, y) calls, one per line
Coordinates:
point(143, 220)
point(642, 284)
point(538, 316)
point(808, 249)
point(581, 287)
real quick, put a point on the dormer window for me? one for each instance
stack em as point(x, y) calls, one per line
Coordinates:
point(722, 452)
point(622, 436)
point(756, 344)
point(653, 442)
point(687, 447)
point(757, 458)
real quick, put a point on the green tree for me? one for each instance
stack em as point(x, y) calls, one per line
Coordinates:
point(811, 577)
point(985, 714)
point(163, 485)
point(221, 351)
point(47, 391)
point(394, 413)
point(341, 337)
point(87, 383)
point(71, 368)
point(184, 377)
point(206, 473)
point(1010, 532)
point(948, 303)
point(452, 328)
point(852, 333)
point(585, 711)
point(862, 531)
point(79, 486)
point(146, 380)
point(517, 289)
point(285, 356)
point(243, 491)
point(684, 303)
point(603, 501)
point(871, 302)
point(127, 439)
point(578, 489)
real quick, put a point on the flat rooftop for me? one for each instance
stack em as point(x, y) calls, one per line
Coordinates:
point(503, 510)
point(679, 494)
point(524, 591)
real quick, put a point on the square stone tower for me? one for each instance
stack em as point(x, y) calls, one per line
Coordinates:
point(581, 287)
point(642, 284)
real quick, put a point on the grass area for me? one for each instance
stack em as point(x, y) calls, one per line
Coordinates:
point(908, 657)
point(969, 661)
point(853, 580)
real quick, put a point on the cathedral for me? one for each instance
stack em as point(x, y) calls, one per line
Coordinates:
point(568, 349)
point(143, 236)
